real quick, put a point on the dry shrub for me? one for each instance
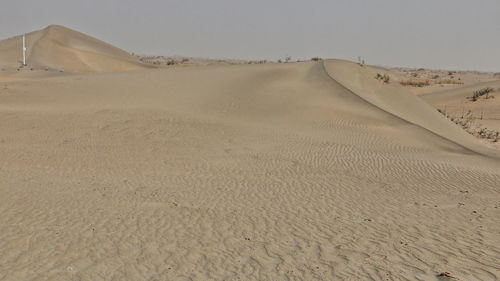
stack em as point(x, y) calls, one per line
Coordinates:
point(384, 78)
point(415, 83)
point(448, 81)
point(467, 122)
point(481, 92)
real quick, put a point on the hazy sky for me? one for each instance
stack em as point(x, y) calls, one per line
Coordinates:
point(450, 34)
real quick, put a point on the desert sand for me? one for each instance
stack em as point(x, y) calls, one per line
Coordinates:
point(440, 80)
point(293, 171)
point(457, 100)
point(57, 49)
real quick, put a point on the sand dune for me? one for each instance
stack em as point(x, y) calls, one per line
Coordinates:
point(398, 101)
point(62, 49)
point(251, 172)
point(296, 171)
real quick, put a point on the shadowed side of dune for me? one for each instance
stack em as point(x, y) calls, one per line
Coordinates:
point(244, 172)
point(397, 101)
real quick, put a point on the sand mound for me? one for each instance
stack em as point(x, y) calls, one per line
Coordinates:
point(62, 49)
point(299, 171)
point(397, 100)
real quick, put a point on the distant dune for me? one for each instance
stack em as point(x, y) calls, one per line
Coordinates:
point(293, 171)
point(60, 48)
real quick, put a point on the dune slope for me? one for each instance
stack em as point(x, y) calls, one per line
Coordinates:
point(62, 49)
point(485, 113)
point(396, 100)
point(249, 172)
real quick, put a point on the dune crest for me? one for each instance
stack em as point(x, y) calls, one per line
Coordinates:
point(63, 49)
point(397, 100)
point(296, 171)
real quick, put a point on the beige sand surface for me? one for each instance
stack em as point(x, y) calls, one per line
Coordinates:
point(440, 80)
point(455, 103)
point(298, 171)
point(57, 49)
point(456, 100)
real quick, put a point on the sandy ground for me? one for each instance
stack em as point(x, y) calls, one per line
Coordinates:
point(441, 80)
point(57, 49)
point(485, 112)
point(250, 172)
point(450, 91)
point(296, 171)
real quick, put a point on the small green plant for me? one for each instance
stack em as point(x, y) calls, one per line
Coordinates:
point(384, 78)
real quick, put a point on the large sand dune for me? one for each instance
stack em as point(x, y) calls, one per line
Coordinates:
point(303, 171)
point(397, 100)
point(62, 49)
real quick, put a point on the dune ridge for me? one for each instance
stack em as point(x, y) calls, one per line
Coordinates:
point(397, 100)
point(253, 172)
point(59, 48)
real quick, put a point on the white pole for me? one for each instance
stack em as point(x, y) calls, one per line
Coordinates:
point(24, 50)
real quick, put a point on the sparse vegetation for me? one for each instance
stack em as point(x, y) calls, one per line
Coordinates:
point(466, 121)
point(481, 92)
point(415, 83)
point(177, 60)
point(383, 77)
point(485, 133)
point(257, 62)
point(316, 59)
point(447, 81)
point(156, 60)
point(434, 80)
